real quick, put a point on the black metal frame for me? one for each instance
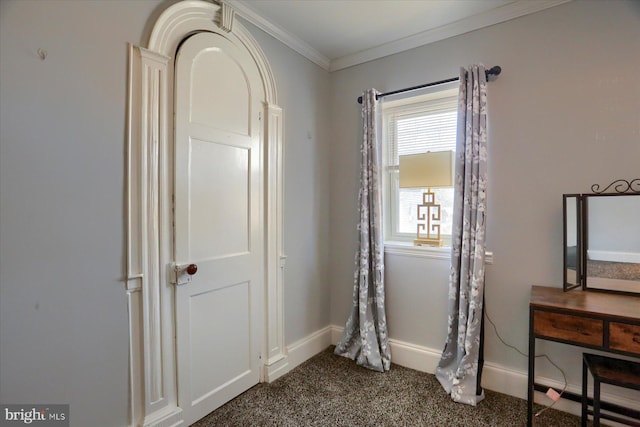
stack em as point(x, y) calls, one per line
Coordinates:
point(620, 187)
point(588, 361)
point(565, 283)
point(533, 386)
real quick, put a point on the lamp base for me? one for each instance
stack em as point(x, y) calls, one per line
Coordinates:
point(429, 242)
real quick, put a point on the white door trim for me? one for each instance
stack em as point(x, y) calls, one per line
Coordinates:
point(153, 390)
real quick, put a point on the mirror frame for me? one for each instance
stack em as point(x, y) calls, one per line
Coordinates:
point(566, 286)
point(620, 187)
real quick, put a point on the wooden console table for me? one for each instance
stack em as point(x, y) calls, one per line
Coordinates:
point(596, 320)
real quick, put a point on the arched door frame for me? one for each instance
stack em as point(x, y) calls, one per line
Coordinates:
point(150, 294)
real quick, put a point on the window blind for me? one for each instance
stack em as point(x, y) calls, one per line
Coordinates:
point(421, 127)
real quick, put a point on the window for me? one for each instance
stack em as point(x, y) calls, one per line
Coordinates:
point(416, 125)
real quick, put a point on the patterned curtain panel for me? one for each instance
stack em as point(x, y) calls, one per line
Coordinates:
point(365, 336)
point(458, 367)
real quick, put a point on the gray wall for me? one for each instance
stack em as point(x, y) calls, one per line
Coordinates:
point(564, 114)
point(63, 313)
point(303, 93)
point(63, 317)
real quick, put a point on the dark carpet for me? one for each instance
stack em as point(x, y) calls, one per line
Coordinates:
point(329, 390)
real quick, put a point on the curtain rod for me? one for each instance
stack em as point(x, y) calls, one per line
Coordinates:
point(493, 71)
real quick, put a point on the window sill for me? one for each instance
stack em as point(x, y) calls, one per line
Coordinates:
point(409, 249)
point(431, 252)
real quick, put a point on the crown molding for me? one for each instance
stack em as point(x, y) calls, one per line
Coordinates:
point(280, 34)
point(475, 22)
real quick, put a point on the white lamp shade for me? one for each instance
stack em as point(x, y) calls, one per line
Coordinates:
point(432, 169)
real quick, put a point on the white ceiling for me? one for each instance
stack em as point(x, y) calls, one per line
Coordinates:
point(336, 34)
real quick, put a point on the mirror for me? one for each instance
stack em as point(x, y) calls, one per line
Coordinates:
point(611, 237)
point(572, 224)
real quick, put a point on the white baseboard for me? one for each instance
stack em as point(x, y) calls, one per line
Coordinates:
point(170, 418)
point(494, 377)
point(336, 334)
point(299, 352)
point(304, 349)
point(273, 371)
point(403, 353)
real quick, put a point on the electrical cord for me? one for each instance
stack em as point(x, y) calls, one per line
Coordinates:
point(564, 376)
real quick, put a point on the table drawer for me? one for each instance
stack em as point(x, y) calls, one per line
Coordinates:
point(624, 337)
point(581, 330)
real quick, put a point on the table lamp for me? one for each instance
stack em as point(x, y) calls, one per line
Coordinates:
point(427, 170)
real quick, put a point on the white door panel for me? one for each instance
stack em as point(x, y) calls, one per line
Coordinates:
point(218, 223)
point(226, 221)
point(229, 83)
point(213, 365)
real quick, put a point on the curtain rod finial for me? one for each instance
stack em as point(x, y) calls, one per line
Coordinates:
point(495, 70)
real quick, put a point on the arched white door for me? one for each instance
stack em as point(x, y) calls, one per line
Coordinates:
point(218, 142)
point(219, 223)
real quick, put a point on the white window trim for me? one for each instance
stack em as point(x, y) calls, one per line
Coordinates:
point(408, 249)
point(399, 242)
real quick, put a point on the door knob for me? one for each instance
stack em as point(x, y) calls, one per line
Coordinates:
point(181, 274)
